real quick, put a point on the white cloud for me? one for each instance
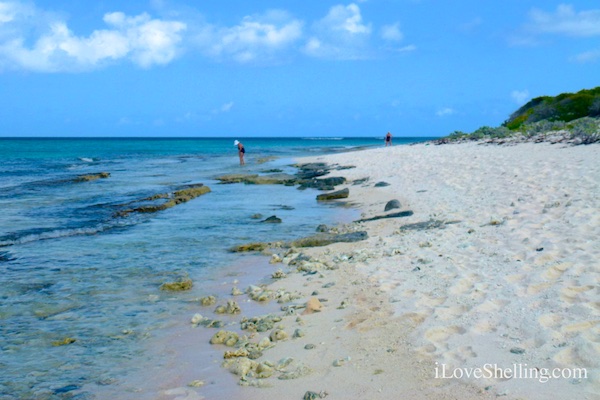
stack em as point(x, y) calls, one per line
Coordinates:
point(587, 57)
point(256, 39)
point(444, 112)
point(566, 21)
point(341, 34)
point(224, 108)
point(392, 32)
point(471, 25)
point(140, 39)
point(520, 96)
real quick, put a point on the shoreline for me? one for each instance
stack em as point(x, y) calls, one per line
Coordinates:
point(497, 267)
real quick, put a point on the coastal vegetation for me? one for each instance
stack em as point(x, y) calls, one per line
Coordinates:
point(568, 117)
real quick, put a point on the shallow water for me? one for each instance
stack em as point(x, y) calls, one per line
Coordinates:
point(72, 269)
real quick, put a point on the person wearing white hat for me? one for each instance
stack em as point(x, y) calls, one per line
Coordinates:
point(241, 150)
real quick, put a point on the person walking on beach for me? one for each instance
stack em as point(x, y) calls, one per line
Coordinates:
point(388, 139)
point(241, 151)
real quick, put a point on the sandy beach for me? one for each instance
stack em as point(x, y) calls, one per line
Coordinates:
point(490, 288)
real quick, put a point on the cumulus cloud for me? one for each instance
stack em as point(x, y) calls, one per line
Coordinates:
point(565, 20)
point(341, 34)
point(392, 32)
point(141, 39)
point(257, 38)
point(520, 96)
point(445, 112)
point(587, 57)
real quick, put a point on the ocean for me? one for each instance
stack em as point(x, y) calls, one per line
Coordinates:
point(72, 267)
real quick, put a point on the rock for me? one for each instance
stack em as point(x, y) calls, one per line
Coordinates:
point(310, 396)
point(91, 177)
point(254, 179)
point(197, 319)
point(309, 346)
point(278, 335)
point(313, 305)
point(208, 300)
point(259, 324)
point(256, 216)
point(227, 338)
point(279, 274)
point(382, 184)
point(517, 350)
point(339, 194)
point(275, 258)
point(231, 307)
point(196, 383)
point(264, 370)
point(273, 219)
point(264, 343)
point(66, 341)
point(322, 184)
point(391, 205)
point(322, 228)
point(323, 239)
point(240, 366)
point(298, 333)
point(236, 292)
point(237, 353)
point(182, 195)
point(257, 246)
point(400, 214)
point(312, 170)
point(301, 371)
point(179, 286)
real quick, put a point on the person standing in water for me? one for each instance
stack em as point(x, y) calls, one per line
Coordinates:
point(388, 139)
point(241, 151)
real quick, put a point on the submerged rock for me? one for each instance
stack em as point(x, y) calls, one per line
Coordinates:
point(256, 246)
point(182, 195)
point(273, 219)
point(92, 177)
point(64, 342)
point(208, 300)
point(185, 284)
point(339, 194)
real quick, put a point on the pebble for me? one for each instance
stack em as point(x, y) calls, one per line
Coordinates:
point(517, 350)
point(309, 346)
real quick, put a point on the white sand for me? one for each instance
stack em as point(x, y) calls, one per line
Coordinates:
point(518, 270)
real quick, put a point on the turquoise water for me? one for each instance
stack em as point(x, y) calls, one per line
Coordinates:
point(72, 268)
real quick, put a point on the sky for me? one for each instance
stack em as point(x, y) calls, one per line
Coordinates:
point(170, 68)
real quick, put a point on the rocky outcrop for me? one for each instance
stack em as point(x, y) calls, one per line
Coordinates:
point(318, 240)
point(182, 195)
point(323, 239)
point(339, 194)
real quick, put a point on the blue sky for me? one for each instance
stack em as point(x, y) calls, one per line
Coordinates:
point(286, 68)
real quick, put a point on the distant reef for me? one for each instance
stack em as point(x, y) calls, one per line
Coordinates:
point(572, 118)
